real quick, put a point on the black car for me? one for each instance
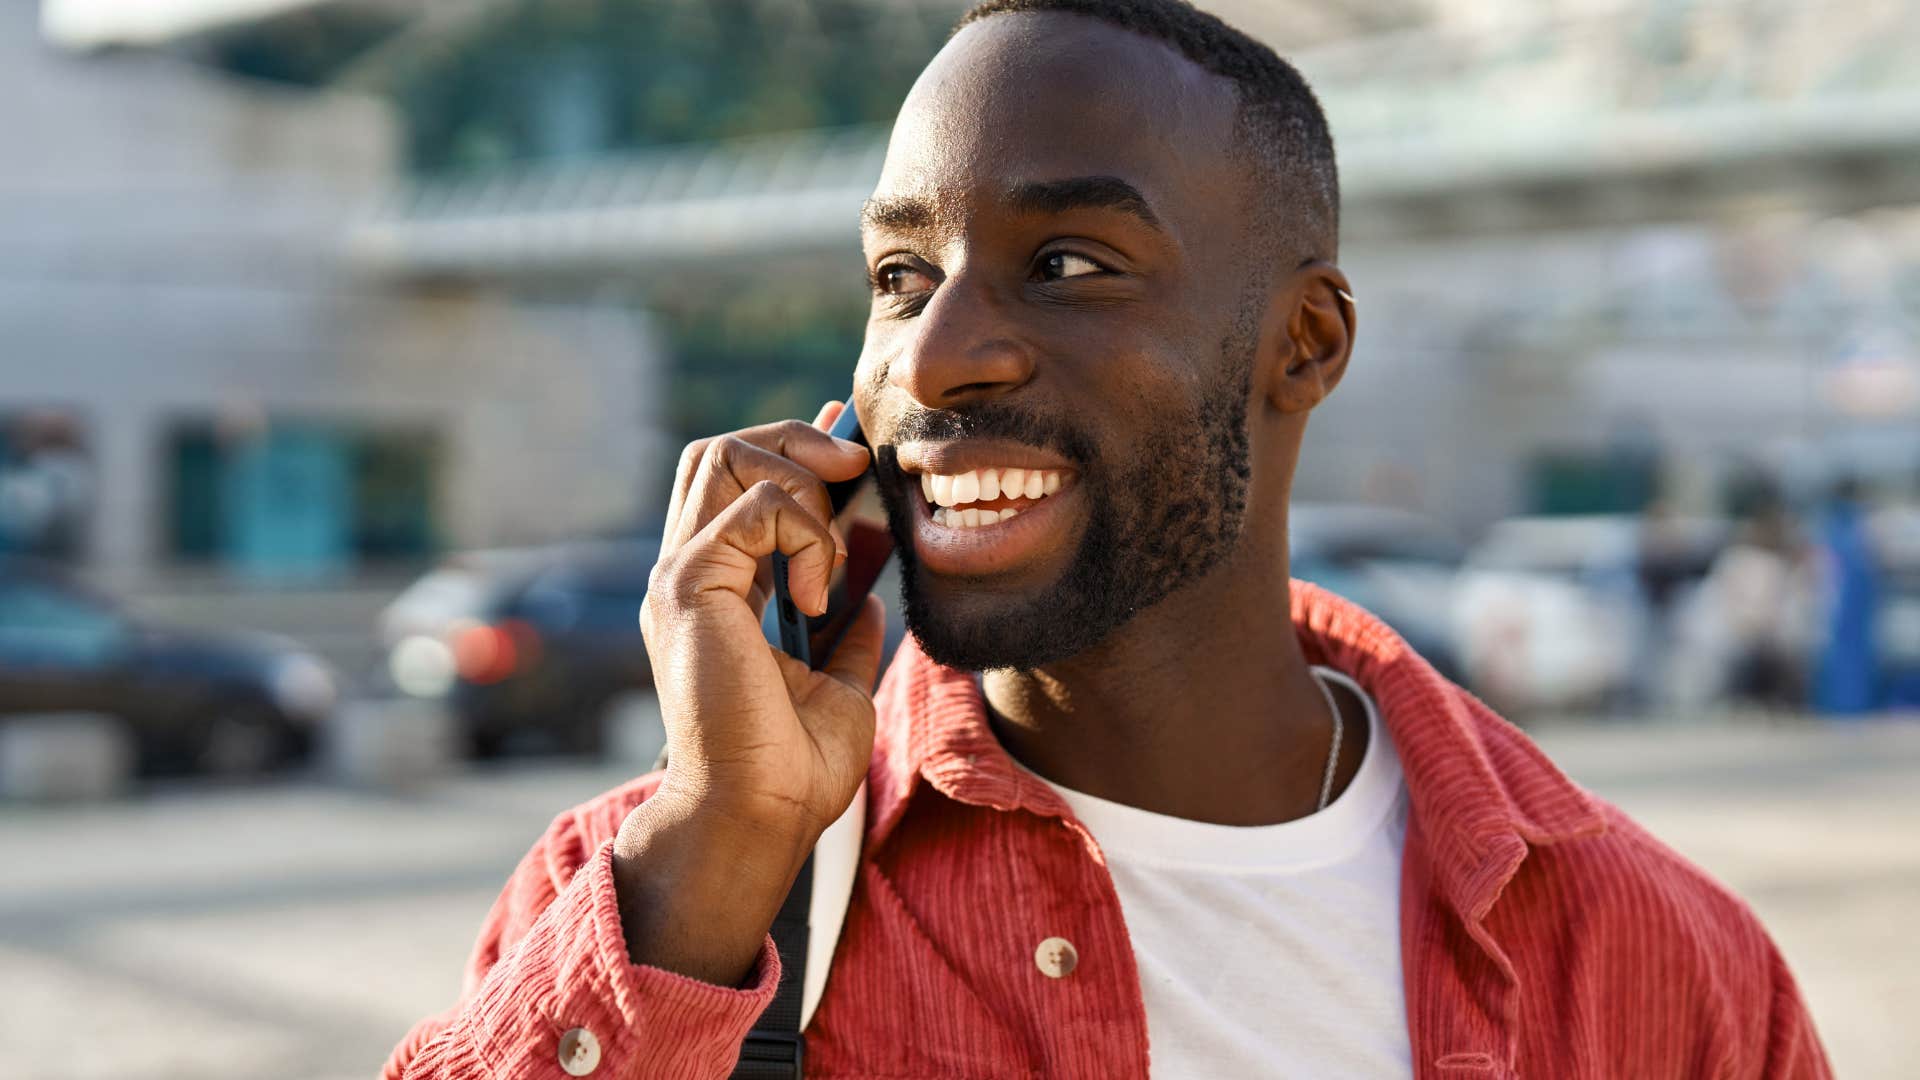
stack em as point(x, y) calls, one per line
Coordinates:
point(192, 700)
point(526, 647)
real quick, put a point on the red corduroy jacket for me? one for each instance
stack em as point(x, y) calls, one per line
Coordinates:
point(1543, 933)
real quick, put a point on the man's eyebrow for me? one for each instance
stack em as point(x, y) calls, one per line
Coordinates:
point(1083, 193)
point(900, 214)
point(906, 213)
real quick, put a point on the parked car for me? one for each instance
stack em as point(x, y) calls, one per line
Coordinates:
point(221, 701)
point(528, 646)
point(1398, 564)
point(1554, 613)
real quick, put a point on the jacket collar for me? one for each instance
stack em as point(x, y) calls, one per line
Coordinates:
point(1481, 791)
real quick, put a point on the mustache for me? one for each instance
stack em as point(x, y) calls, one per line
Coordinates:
point(996, 420)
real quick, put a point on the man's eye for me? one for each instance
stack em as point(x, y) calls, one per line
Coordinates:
point(1065, 264)
point(899, 280)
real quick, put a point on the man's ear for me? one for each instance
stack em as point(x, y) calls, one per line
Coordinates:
point(1309, 336)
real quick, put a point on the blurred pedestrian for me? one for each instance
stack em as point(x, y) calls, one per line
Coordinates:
point(1757, 593)
point(1846, 679)
point(1662, 570)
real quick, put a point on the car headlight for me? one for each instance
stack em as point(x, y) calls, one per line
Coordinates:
point(301, 686)
point(422, 665)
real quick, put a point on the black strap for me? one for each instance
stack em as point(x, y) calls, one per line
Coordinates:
point(775, 1049)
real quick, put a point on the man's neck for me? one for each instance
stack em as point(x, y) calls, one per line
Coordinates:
point(1202, 707)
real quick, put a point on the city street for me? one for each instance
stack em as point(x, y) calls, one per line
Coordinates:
point(364, 347)
point(297, 930)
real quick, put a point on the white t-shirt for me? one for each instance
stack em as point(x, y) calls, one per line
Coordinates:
point(1270, 950)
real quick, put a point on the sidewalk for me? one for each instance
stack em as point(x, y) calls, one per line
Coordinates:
point(297, 931)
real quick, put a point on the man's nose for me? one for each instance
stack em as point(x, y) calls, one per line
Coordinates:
point(964, 348)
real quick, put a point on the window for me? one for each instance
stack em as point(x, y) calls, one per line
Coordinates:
point(300, 497)
point(46, 484)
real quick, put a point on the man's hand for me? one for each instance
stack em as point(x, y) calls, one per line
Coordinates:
point(764, 753)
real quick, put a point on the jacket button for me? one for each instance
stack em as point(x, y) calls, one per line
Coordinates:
point(579, 1052)
point(1056, 958)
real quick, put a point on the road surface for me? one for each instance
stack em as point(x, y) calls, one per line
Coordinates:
point(296, 930)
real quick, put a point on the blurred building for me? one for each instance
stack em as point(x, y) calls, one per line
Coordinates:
point(1605, 249)
point(197, 385)
point(1600, 248)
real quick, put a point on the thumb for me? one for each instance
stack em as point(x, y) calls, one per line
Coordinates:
point(857, 661)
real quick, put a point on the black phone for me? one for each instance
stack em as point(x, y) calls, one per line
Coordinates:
point(862, 520)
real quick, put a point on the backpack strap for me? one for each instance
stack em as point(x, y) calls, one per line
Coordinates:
point(775, 1049)
point(806, 932)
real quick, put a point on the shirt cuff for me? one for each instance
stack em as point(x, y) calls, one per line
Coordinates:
point(572, 971)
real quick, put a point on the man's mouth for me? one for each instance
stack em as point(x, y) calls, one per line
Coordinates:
point(989, 507)
point(979, 497)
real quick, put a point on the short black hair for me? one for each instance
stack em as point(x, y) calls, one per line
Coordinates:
point(1279, 123)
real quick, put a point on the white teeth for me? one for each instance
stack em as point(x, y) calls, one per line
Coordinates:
point(970, 518)
point(987, 485)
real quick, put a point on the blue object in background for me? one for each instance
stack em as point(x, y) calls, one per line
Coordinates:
point(1848, 670)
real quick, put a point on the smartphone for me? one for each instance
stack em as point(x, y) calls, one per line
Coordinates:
point(862, 520)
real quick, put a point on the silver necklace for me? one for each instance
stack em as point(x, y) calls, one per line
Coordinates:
point(1333, 753)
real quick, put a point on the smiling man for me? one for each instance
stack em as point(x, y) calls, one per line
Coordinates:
point(1139, 803)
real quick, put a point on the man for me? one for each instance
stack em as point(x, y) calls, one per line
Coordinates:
point(1168, 829)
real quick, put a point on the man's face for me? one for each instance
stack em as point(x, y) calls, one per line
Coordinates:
point(1063, 289)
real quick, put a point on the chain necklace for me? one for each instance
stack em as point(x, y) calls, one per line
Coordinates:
point(1333, 753)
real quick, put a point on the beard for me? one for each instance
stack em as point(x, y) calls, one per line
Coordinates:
point(1156, 522)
